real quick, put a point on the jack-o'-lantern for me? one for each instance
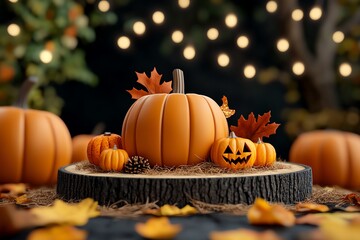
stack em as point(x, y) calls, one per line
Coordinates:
point(233, 152)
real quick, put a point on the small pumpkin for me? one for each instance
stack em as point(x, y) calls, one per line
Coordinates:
point(34, 143)
point(265, 154)
point(100, 143)
point(233, 152)
point(173, 129)
point(333, 156)
point(113, 159)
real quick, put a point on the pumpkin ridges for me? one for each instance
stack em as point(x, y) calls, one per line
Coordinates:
point(35, 123)
point(11, 129)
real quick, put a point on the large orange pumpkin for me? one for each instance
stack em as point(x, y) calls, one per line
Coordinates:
point(333, 156)
point(173, 129)
point(34, 144)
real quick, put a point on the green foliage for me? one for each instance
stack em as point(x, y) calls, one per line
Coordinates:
point(53, 29)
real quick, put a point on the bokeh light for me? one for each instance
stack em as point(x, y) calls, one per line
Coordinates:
point(123, 42)
point(177, 36)
point(158, 17)
point(223, 60)
point(13, 30)
point(271, 6)
point(297, 15)
point(212, 34)
point(282, 45)
point(249, 71)
point(45, 56)
point(338, 36)
point(231, 20)
point(139, 28)
point(345, 69)
point(242, 41)
point(315, 13)
point(298, 68)
point(189, 52)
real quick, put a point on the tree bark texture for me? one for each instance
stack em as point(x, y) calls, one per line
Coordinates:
point(288, 188)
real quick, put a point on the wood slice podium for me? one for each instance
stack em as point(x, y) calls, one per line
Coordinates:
point(287, 185)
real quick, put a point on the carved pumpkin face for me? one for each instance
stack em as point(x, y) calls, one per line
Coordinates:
point(233, 152)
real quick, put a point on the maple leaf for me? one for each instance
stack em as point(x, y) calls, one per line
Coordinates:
point(152, 85)
point(264, 213)
point(352, 198)
point(158, 228)
point(311, 207)
point(225, 108)
point(171, 210)
point(12, 190)
point(58, 233)
point(255, 129)
point(244, 234)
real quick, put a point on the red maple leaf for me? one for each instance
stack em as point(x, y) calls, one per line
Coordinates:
point(254, 129)
point(152, 85)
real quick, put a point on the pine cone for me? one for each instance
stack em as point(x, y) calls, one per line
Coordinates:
point(136, 164)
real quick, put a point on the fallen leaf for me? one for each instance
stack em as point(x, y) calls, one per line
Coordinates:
point(58, 233)
point(66, 213)
point(171, 210)
point(334, 230)
point(22, 199)
point(254, 129)
point(352, 209)
point(152, 85)
point(13, 220)
point(318, 218)
point(353, 198)
point(225, 108)
point(311, 207)
point(12, 190)
point(261, 212)
point(243, 234)
point(157, 228)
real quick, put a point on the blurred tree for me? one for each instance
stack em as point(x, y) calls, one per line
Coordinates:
point(44, 38)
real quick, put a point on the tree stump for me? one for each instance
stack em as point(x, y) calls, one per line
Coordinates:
point(287, 185)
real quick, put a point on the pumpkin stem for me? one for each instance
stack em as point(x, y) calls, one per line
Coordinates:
point(24, 91)
point(178, 81)
point(115, 147)
point(259, 141)
point(232, 135)
point(107, 133)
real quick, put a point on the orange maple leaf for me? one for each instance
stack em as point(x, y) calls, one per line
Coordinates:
point(254, 129)
point(152, 85)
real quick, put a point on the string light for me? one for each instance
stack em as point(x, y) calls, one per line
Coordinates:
point(242, 41)
point(123, 42)
point(298, 68)
point(338, 36)
point(212, 34)
point(315, 13)
point(139, 28)
point(282, 45)
point(223, 60)
point(249, 71)
point(271, 6)
point(104, 6)
point(177, 36)
point(46, 56)
point(158, 17)
point(231, 20)
point(345, 69)
point(184, 3)
point(13, 30)
point(297, 15)
point(189, 52)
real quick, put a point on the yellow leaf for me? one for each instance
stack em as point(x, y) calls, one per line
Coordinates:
point(261, 212)
point(243, 234)
point(22, 199)
point(171, 210)
point(311, 207)
point(319, 218)
point(157, 228)
point(334, 230)
point(58, 233)
point(66, 213)
point(225, 108)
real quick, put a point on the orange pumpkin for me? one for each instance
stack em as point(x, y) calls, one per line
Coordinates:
point(265, 154)
point(333, 156)
point(233, 152)
point(113, 159)
point(99, 143)
point(173, 129)
point(34, 143)
point(79, 146)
